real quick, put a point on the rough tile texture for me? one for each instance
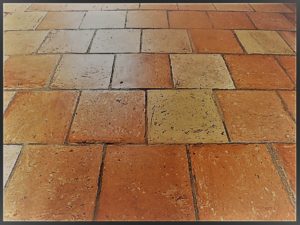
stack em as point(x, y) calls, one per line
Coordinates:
point(39, 117)
point(23, 42)
point(166, 41)
point(233, 7)
point(214, 41)
point(200, 71)
point(128, 193)
point(290, 38)
point(289, 98)
point(198, 6)
point(142, 71)
point(7, 97)
point(67, 41)
point(263, 42)
point(30, 71)
point(147, 19)
point(230, 20)
point(183, 116)
point(61, 20)
point(10, 156)
point(250, 188)
point(189, 19)
point(81, 71)
point(63, 188)
point(104, 19)
point(109, 116)
point(289, 64)
point(267, 7)
point(22, 20)
point(107, 41)
point(161, 6)
point(257, 72)
point(254, 116)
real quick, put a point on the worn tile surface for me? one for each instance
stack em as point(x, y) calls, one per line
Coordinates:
point(104, 19)
point(10, 156)
point(249, 188)
point(289, 64)
point(200, 71)
point(23, 20)
point(189, 19)
point(7, 98)
point(147, 19)
point(230, 20)
point(63, 188)
point(61, 20)
point(289, 99)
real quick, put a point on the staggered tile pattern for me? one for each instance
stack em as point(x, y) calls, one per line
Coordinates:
point(149, 112)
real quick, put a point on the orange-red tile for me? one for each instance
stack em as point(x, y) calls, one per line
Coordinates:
point(238, 182)
point(109, 116)
point(289, 98)
point(290, 38)
point(270, 7)
point(233, 7)
point(54, 182)
point(255, 116)
point(196, 6)
point(61, 20)
point(159, 6)
point(39, 117)
point(189, 19)
point(147, 19)
point(291, 16)
point(230, 20)
point(146, 183)
point(215, 41)
point(289, 64)
point(257, 72)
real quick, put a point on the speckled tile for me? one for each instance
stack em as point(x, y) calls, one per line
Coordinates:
point(104, 19)
point(142, 71)
point(15, 7)
point(270, 7)
point(79, 71)
point(290, 38)
point(166, 41)
point(238, 182)
point(159, 6)
point(7, 97)
point(183, 116)
point(263, 42)
point(39, 117)
point(110, 117)
point(117, 40)
point(196, 6)
point(61, 20)
point(255, 116)
point(29, 71)
point(230, 20)
point(67, 41)
point(189, 19)
point(289, 98)
point(200, 71)
point(233, 7)
point(147, 19)
point(23, 20)
point(22, 42)
point(10, 156)
point(289, 64)
point(130, 193)
point(54, 183)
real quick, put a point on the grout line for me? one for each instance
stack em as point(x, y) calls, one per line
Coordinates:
point(229, 71)
point(251, 21)
point(239, 42)
point(40, 21)
point(285, 107)
point(79, 27)
point(171, 71)
point(146, 117)
point(284, 70)
point(168, 20)
point(281, 37)
point(51, 78)
point(101, 170)
point(193, 185)
point(126, 18)
point(194, 50)
point(42, 43)
point(141, 39)
point(10, 102)
point(112, 72)
point(90, 45)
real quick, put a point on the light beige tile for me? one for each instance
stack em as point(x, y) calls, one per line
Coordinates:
point(15, 7)
point(61, 20)
point(147, 19)
point(23, 20)
point(104, 19)
point(7, 97)
point(10, 156)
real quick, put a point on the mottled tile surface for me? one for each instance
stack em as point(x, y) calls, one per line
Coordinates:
point(230, 20)
point(279, 7)
point(189, 19)
point(289, 99)
point(233, 7)
point(104, 19)
point(289, 65)
point(198, 6)
point(7, 97)
point(23, 20)
point(10, 156)
point(147, 19)
point(61, 20)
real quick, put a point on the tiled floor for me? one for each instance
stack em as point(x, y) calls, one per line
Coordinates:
point(149, 112)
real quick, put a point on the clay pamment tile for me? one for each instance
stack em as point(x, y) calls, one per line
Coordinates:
point(189, 19)
point(23, 20)
point(10, 156)
point(147, 19)
point(230, 20)
point(196, 6)
point(116, 6)
point(289, 64)
point(162, 6)
point(270, 7)
point(61, 20)
point(289, 98)
point(15, 7)
point(104, 19)
point(233, 7)
point(290, 38)
point(7, 97)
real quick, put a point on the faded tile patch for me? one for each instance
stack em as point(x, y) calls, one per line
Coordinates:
point(10, 156)
point(109, 117)
point(250, 188)
point(163, 195)
point(200, 71)
point(183, 116)
point(61, 20)
point(7, 97)
point(80, 71)
point(117, 40)
point(147, 19)
point(289, 98)
point(104, 19)
point(263, 42)
point(67, 41)
point(23, 20)
point(54, 183)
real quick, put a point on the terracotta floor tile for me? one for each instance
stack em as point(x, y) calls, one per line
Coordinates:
point(61, 20)
point(271, 21)
point(287, 156)
point(166, 41)
point(270, 7)
point(289, 64)
point(10, 155)
point(67, 41)
point(81, 71)
point(215, 41)
point(200, 71)
point(292, 6)
point(230, 20)
point(47, 7)
point(291, 16)
point(104, 19)
point(22, 42)
point(109, 116)
point(116, 6)
point(289, 98)
point(117, 40)
point(128, 193)
point(29, 71)
point(39, 117)
point(142, 71)
point(183, 116)
point(54, 183)
point(82, 6)
point(249, 188)
point(263, 42)
point(257, 72)
point(161, 6)
point(7, 97)
point(196, 6)
point(255, 116)
point(290, 38)
point(189, 19)
point(147, 19)
point(233, 7)
point(15, 7)
point(23, 20)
